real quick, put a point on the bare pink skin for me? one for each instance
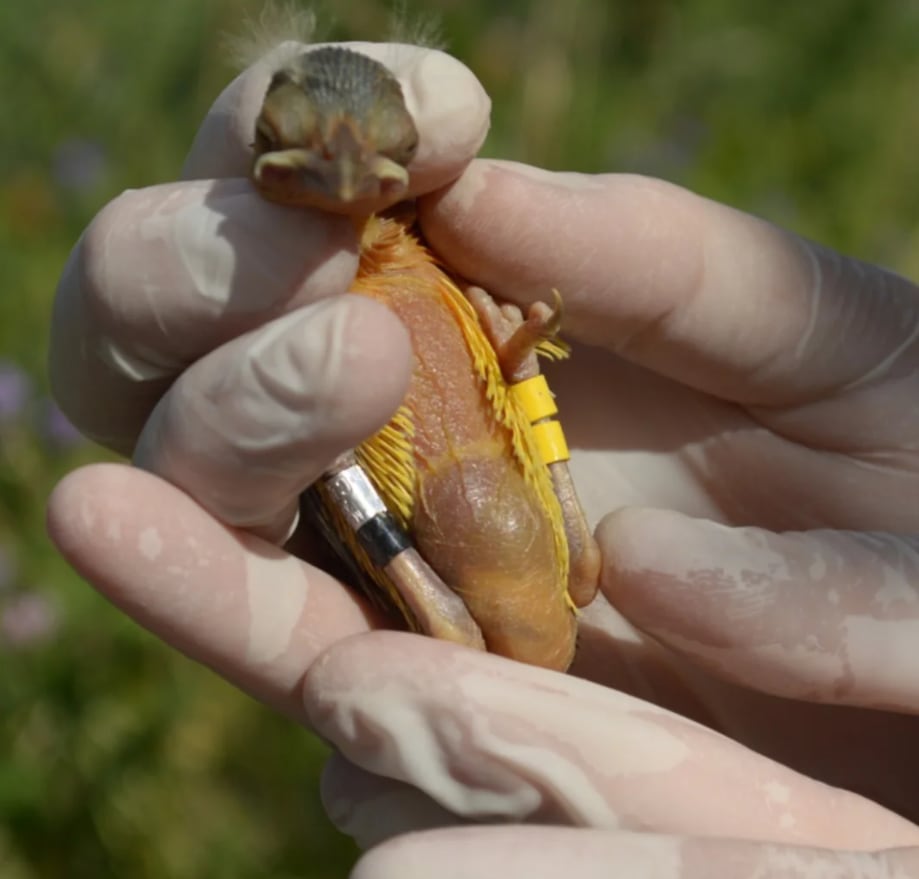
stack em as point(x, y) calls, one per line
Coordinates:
point(744, 432)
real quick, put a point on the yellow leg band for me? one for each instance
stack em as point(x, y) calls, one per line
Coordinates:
point(534, 396)
point(550, 442)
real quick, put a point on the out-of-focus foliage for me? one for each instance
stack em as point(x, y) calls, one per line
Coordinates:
point(118, 758)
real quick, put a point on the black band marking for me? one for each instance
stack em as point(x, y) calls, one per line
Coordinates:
point(382, 539)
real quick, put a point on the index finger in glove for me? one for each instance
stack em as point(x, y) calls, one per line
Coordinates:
point(691, 289)
point(487, 738)
point(227, 599)
point(247, 428)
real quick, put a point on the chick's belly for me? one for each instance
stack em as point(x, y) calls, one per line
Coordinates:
point(445, 394)
point(480, 526)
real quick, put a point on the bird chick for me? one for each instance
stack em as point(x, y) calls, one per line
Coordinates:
point(333, 131)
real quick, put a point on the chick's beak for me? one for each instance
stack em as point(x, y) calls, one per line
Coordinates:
point(336, 173)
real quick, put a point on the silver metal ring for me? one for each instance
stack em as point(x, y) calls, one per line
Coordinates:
point(354, 494)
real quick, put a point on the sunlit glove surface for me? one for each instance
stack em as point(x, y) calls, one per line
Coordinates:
point(745, 432)
point(445, 734)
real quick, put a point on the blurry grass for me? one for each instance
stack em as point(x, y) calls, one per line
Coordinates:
point(120, 758)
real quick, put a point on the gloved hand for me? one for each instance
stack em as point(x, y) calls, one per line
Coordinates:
point(430, 734)
point(740, 376)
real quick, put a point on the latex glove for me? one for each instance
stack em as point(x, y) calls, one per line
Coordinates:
point(261, 617)
point(546, 852)
point(484, 739)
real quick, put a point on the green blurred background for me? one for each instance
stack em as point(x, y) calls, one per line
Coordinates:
point(118, 758)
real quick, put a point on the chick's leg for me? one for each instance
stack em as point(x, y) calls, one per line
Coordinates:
point(514, 339)
point(435, 608)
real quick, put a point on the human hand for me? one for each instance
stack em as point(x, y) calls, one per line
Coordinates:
point(430, 735)
point(142, 542)
point(756, 393)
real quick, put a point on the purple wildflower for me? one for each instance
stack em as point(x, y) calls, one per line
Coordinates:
point(58, 429)
point(28, 619)
point(15, 391)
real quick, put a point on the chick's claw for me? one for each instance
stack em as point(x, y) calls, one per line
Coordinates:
point(513, 337)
